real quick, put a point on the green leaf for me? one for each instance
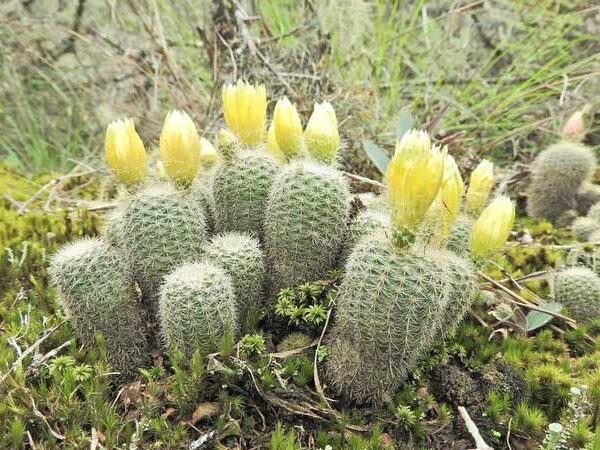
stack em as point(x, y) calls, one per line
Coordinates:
point(406, 121)
point(377, 155)
point(537, 319)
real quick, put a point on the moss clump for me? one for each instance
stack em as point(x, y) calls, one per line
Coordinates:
point(97, 292)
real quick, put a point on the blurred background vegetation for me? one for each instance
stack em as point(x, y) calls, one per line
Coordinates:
point(488, 77)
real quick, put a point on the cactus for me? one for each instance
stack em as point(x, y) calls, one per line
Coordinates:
point(392, 303)
point(240, 255)
point(578, 290)
point(584, 227)
point(240, 191)
point(306, 217)
point(458, 239)
point(201, 193)
point(365, 223)
point(594, 212)
point(556, 176)
point(162, 229)
point(113, 228)
point(587, 195)
point(98, 294)
point(197, 308)
point(294, 341)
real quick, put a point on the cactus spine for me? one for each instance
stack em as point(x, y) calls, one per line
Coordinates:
point(458, 239)
point(197, 308)
point(306, 217)
point(364, 224)
point(556, 176)
point(584, 227)
point(240, 191)
point(578, 290)
point(162, 229)
point(98, 294)
point(240, 255)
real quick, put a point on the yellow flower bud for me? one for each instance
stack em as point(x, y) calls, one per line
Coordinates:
point(480, 186)
point(492, 228)
point(446, 206)
point(180, 147)
point(245, 111)
point(321, 136)
point(125, 153)
point(414, 177)
point(288, 128)
point(414, 140)
point(272, 146)
point(208, 153)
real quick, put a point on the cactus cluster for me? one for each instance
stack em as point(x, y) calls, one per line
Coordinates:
point(560, 187)
point(273, 212)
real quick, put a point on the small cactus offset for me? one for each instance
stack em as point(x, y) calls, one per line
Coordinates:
point(306, 217)
point(240, 191)
point(587, 196)
point(458, 239)
point(584, 227)
point(161, 229)
point(240, 255)
point(197, 308)
point(578, 290)
point(98, 294)
point(557, 174)
point(364, 224)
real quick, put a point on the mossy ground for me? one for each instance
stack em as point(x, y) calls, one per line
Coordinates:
point(58, 395)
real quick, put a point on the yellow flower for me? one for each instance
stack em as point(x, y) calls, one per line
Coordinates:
point(414, 177)
point(125, 153)
point(208, 153)
point(480, 186)
point(446, 206)
point(272, 146)
point(414, 140)
point(245, 111)
point(288, 128)
point(321, 135)
point(180, 147)
point(492, 228)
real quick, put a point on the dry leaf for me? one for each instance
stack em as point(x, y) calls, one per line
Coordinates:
point(204, 410)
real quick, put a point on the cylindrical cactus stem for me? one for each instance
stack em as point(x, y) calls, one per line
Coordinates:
point(578, 290)
point(557, 174)
point(162, 229)
point(306, 219)
point(240, 255)
point(98, 294)
point(240, 191)
point(365, 223)
point(197, 308)
point(392, 301)
point(587, 196)
point(584, 227)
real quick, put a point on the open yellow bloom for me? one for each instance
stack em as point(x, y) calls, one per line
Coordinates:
point(447, 204)
point(208, 153)
point(124, 151)
point(321, 135)
point(245, 111)
point(180, 147)
point(414, 140)
point(414, 177)
point(480, 186)
point(492, 228)
point(272, 146)
point(288, 128)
